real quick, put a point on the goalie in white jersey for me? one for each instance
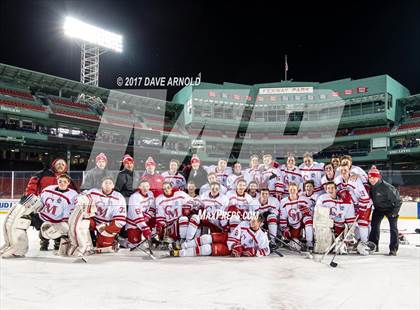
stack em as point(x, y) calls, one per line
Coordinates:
point(110, 215)
point(141, 211)
point(247, 239)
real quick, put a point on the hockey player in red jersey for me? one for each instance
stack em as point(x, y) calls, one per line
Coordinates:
point(254, 169)
point(296, 216)
point(268, 170)
point(110, 215)
point(309, 194)
point(155, 179)
point(247, 239)
point(329, 176)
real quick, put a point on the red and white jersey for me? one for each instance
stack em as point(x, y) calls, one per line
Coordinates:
point(294, 212)
point(141, 208)
point(272, 205)
point(311, 199)
point(109, 208)
point(233, 180)
point(212, 204)
point(356, 170)
point(57, 205)
point(276, 187)
point(268, 173)
point(255, 196)
point(314, 172)
point(357, 190)
point(206, 188)
point(243, 235)
point(220, 175)
point(340, 212)
point(242, 202)
point(254, 175)
point(177, 180)
point(170, 208)
point(195, 202)
point(291, 176)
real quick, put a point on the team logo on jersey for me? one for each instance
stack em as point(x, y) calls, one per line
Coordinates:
point(313, 175)
point(59, 200)
point(295, 215)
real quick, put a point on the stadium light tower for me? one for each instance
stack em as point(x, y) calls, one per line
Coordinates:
point(94, 42)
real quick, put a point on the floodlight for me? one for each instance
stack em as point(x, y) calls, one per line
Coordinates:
point(92, 34)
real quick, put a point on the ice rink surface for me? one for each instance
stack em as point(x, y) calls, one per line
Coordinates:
point(128, 280)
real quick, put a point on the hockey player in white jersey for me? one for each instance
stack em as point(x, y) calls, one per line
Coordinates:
point(329, 176)
point(360, 198)
point(296, 217)
point(254, 171)
point(267, 170)
point(222, 171)
point(140, 214)
point(110, 215)
point(252, 190)
point(174, 176)
point(52, 219)
point(172, 211)
point(270, 209)
point(355, 171)
point(237, 174)
point(290, 173)
point(309, 194)
point(312, 171)
point(211, 178)
point(213, 203)
point(239, 202)
point(247, 239)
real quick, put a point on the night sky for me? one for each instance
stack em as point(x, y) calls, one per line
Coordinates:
point(233, 42)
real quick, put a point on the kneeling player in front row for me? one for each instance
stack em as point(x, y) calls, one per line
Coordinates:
point(247, 239)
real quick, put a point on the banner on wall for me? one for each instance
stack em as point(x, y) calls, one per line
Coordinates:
point(7, 204)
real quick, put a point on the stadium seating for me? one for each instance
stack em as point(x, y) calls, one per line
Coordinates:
point(409, 126)
point(16, 93)
point(23, 105)
point(71, 113)
point(69, 103)
point(366, 131)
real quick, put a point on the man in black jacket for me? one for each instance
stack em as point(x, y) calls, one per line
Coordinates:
point(128, 180)
point(93, 177)
point(387, 202)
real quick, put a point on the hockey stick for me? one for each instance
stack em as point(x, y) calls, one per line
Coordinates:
point(306, 254)
point(275, 251)
point(351, 229)
point(335, 242)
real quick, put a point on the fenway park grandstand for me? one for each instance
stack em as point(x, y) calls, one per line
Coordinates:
point(43, 117)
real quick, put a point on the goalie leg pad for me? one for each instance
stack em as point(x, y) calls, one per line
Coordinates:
point(15, 226)
point(54, 230)
point(79, 234)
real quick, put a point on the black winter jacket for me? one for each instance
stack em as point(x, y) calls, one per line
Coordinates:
point(385, 197)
